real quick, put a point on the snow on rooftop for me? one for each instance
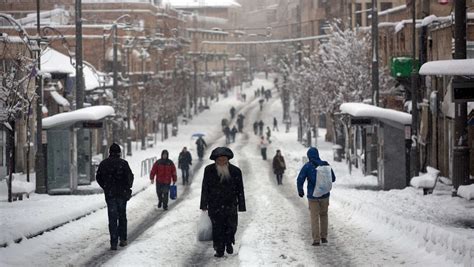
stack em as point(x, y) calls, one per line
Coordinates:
point(201, 3)
point(448, 67)
point(85, 114)
point(466, 191)
point(364, 110)
point(53, 61)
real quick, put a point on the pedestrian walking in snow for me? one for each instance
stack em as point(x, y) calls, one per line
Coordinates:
point(279, 166)
point(261, 103)
point(263, 147)
point(275, 124)
point(232, 112)
point(240, 122)
point(320, 177)
point(255, 127)
point(200, 145)
point(184, 161)
point(227, 135)
point(116, 179)
point(222, 195)
point(262, 92)
point(260, 127)
point(269, 134)
point(233, 132)
point(164, 172)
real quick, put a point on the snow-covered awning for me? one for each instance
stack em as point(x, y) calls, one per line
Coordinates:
point(53, 61)
point(369, 111)
point(448, 67)
point(59, 99)
point(202, 4)
point(94, 113)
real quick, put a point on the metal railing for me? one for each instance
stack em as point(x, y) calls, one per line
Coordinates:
point(146, 166)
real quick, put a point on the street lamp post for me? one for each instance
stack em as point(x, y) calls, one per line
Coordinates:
point(414, 95)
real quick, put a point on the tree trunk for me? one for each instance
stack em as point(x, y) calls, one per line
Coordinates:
point(11, 158)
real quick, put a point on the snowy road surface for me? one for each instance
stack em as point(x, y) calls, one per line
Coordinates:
point(274, 231)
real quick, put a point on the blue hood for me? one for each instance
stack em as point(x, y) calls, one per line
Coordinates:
point(313, 155)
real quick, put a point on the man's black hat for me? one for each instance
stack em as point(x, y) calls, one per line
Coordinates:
point(114, 149)
point(221, 151)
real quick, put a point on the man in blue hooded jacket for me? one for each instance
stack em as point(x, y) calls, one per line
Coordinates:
point(318, 206)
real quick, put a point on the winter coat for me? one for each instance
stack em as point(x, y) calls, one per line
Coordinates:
point(184, 160)
point(201, 144)
point(309, 173)
point(163, 171)
point(217, 196)
point(115, 177)
point(279, 165)
point(263, 144)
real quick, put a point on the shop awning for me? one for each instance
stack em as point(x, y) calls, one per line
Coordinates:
point(94, 113)
point(448, 67)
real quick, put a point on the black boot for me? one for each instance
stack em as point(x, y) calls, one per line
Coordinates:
point(219, 254)
point(229, 249)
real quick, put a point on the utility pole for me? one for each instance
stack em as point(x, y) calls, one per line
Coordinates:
point(461, 148)
point(414, 95)
point(41, 180)
point(114, 74)
point(143, 101)
point(129, 108)
point(195, 85)
point(375, 54)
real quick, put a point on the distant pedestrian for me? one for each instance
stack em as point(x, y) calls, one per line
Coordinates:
point(222, 195)
point(263, 147)
point(269, 134)
point(116, 179)
point(240, 122)
point(260, 102)
point(275, 124)
point(184, 161)
point(224, 123)
point(320, 177)
point(260, 127)
point(200, 145)
point(233, 132)
point(279, 166)
point(262, 92)
point(244, 97)
point(227, 135)
point(255, 127)
point(232, 113)
point(164, 172)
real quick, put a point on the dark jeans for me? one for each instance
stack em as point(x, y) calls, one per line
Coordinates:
point(224, 227)
point(117, 211)
point(264, 153)
point(279, 177)
point(162, 190)
point(185, 175)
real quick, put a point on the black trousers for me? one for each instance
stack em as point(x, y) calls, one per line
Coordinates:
point(279, 177)
point(162, 190)
point(117, 212)
point(224, 226)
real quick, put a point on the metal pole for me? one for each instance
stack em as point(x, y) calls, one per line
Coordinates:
point(41, 179)
point(143, 103)
point(129, 107)
point(414, 94)
point(375, 54)
point(115, 75)
point(461, 148)
point(195, 86)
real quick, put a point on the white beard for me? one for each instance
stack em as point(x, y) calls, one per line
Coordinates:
point(223, 172)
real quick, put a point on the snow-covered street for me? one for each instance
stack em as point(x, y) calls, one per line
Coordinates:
point(367, 227)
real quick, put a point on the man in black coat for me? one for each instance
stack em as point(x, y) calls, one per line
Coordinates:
point(116, 179)
point(222, 196)
point(184, 161)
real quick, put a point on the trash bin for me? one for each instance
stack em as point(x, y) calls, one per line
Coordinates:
point(337, 152)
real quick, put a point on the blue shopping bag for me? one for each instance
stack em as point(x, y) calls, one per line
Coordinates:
point(173, 191)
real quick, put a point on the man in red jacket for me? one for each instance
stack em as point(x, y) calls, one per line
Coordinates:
point(164, 172)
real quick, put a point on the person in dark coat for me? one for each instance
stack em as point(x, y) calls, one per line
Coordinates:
point(279, 166)
point(222, 196)
point(240, 122)
point(201, 145)
point(269, 134)
point(260, 127)
point(233, 132)
point(275, 124)
point(164, 172)
point(232, 112)
point(255, 127)
point(184, 161)
point(227, 134)
point(116, 179)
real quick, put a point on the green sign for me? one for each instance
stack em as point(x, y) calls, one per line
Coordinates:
point(401, 67)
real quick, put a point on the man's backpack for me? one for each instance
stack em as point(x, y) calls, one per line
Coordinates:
point(323, 181)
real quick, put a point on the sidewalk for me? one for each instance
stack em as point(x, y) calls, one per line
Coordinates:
point(39, 213)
